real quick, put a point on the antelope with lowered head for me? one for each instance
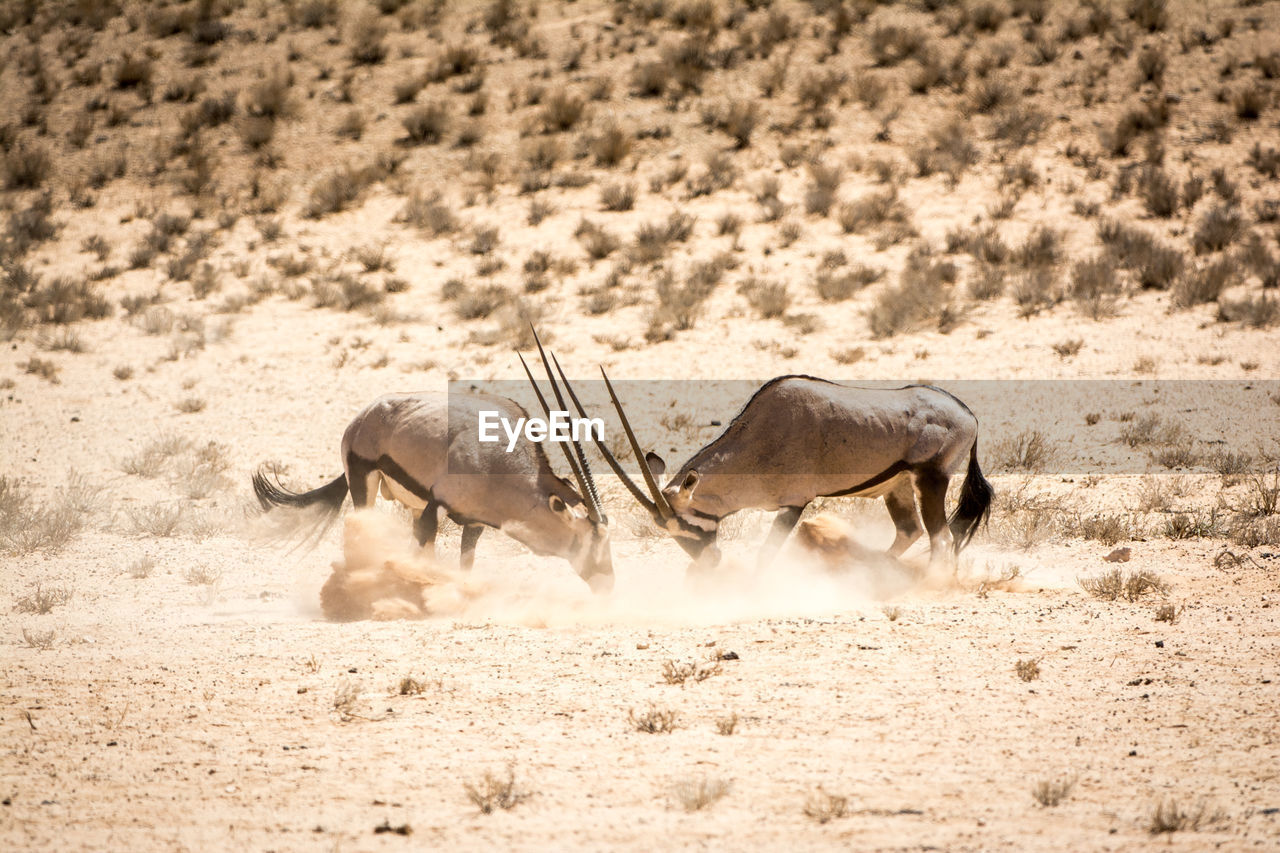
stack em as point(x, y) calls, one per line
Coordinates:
point(799, 438)
point(423, 450)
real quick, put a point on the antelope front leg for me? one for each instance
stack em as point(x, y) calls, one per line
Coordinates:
point(783, 523)
point(470, 536)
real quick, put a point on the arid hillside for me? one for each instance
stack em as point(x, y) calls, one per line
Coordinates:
point(227, 225)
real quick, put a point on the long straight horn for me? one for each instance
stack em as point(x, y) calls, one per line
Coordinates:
point(592, 512)
point(659, 499)
point(636, 491)
point(583, 471)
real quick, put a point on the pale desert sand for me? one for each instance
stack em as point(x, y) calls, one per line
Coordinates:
point(205, 703)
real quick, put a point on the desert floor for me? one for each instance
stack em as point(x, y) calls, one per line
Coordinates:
point(276, 212)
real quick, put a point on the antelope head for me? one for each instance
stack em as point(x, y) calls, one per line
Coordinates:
point(670, 508)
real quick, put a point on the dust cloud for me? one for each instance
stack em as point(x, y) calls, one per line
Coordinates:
point(384, 575)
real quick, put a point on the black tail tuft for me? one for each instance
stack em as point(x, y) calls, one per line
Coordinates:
point(975, 503)
point(272, 494)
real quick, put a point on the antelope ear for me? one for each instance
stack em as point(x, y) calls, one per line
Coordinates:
point(655, 463)
point(690, 483)
point(558, 506)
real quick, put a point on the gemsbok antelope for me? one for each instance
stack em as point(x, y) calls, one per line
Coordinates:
point(423, 450)
point(800, 438)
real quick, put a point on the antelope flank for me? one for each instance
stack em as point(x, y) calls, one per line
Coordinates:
point(558, 426)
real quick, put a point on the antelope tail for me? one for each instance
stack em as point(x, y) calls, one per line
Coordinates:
point(975, 503)
point(272, 495)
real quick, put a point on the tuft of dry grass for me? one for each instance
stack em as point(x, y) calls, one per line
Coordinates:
point(1028, 669)
point(1052, 792)
point(654, 720)
point(824, 807)
point(697, 793)
point(674, 672)
point(1029, 450)
point(1168, 816)
point(1117, 584)
point(493, 792)
point(42, 599)
point(727, 725)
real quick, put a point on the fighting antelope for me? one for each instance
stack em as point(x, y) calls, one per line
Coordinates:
point(423, 450)
point(800, 438)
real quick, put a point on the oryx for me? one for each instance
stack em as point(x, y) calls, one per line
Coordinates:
point(423, 450)
point(800, 438)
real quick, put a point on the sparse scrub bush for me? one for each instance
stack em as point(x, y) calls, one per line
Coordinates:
point(1206, 283)
point(1116, 584)
point(820, 193)
point(1169, 816)
point(1218, 228)
point(366, 38)
point(1155, 264)
point(597, 241)
point(1095, 286)
point(1029, 450)
point(26, 166)
point(654, 720)
point(618, 196)
point(698, 793)
point(838, 285)
point(919, 295)
point(825, 807)
point(769, 299)
point(1052, 792)
point(426, 124)
point(495, 792)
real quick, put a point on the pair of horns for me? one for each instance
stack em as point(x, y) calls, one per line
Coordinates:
point(577, 459)
point(657, 505)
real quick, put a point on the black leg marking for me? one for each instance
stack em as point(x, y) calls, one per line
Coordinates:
point(470, 535)
point(358, 471)
point(425, 527)
point(783, 523)
point(931, 488)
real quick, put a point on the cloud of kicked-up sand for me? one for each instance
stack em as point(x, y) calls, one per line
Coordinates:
point(383, 575)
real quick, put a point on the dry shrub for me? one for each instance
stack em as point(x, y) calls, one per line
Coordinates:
point(611, 145)
point(1027, 670)
point(1155, 264)
point(426, 124)
point(820, 193)
point(1218, 228)
point(654, 720)
point(494, 792)
point(597, 241)
point(1169, 817)
point(769, 299)
point(1052, 792)
point(429, 212)
point(919, 296)
point(26, 166)
point(838, 285)
point(1206, 283)
point(698, 793)
point(562, 111)
point(1095, 286)
point(873, 209)
point(365, 38)
point(1117, 584)
point(891, 44)
point(1029, 450)
point(825, 807)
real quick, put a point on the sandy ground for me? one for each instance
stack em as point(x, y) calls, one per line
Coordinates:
point(188, 694)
